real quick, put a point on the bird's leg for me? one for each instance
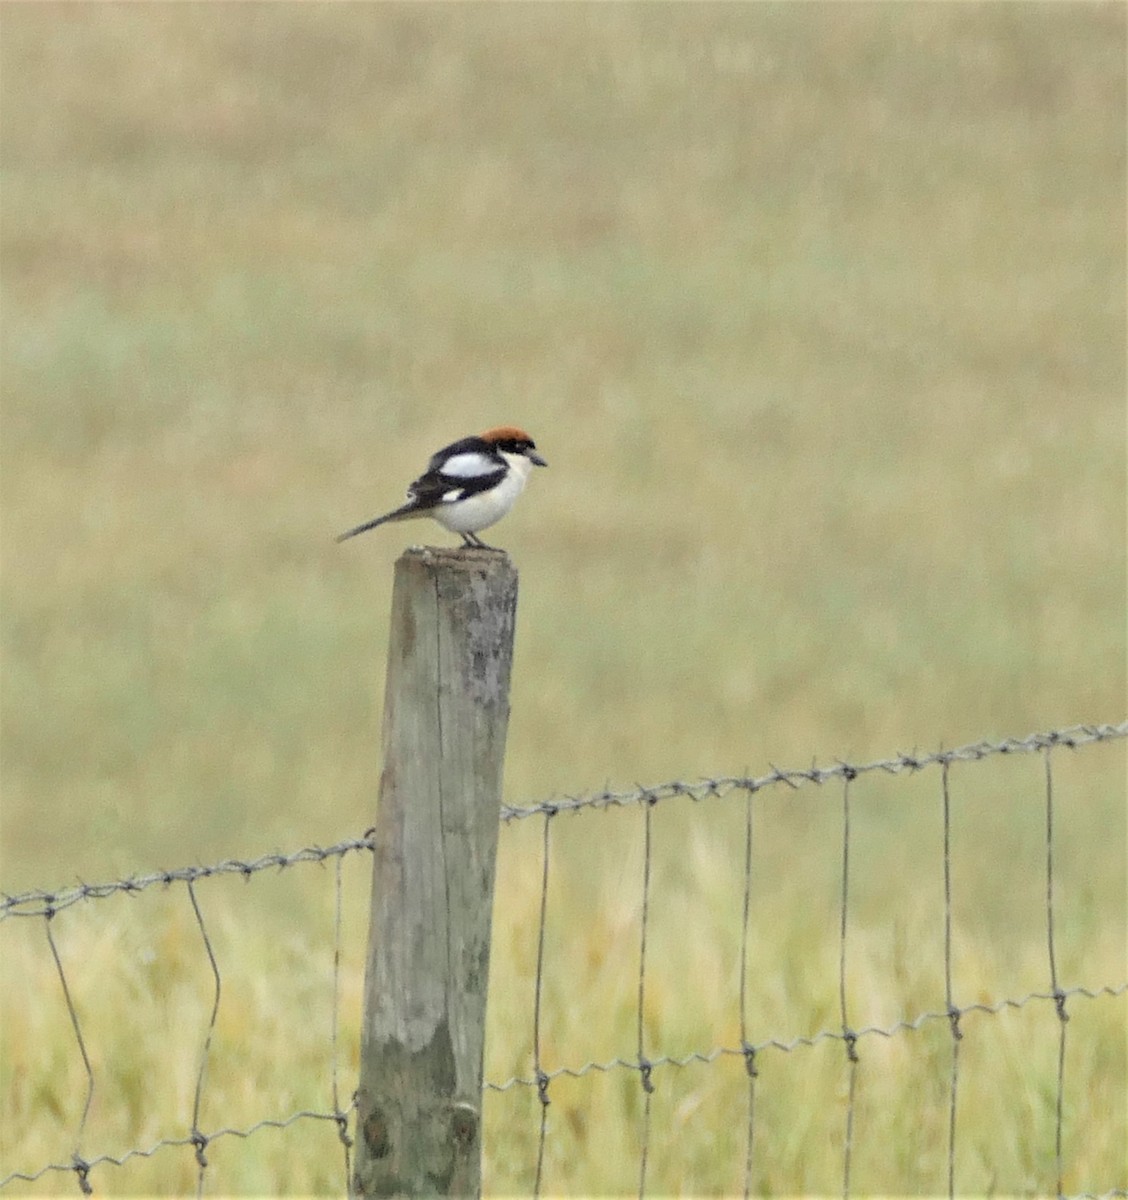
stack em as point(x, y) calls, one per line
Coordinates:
point(475, 542)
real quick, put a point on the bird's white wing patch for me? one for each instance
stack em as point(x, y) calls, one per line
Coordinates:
point(453, 495)
point(469, 465)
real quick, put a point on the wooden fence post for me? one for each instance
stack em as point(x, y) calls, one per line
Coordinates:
point(446, 710)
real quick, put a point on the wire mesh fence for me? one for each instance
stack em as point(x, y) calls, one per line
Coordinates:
point(48, 905)
point(649, 1061)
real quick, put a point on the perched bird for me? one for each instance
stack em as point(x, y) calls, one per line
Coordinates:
point(468, 485)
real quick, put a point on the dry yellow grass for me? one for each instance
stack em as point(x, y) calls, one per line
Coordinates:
point(817, 312)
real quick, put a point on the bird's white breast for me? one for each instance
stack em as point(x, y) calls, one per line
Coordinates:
point(486, 508)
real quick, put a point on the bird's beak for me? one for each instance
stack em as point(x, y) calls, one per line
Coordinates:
point(534, 457)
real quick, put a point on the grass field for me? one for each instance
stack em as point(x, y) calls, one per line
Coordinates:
point(817, 313)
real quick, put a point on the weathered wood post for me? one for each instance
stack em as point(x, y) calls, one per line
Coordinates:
point(446, 711)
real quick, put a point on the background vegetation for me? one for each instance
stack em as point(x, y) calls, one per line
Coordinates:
point(816, 311)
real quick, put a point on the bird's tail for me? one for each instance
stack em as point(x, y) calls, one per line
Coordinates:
point(400, 514)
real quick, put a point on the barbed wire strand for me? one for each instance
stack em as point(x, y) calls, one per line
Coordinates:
point(541, 1077)
point(338, 1112)
point(848, 1036)
point(37, 903)
point(77, 1163)
point(749, 1053)
point(198, 1139)
point(1059, 996)
point(644, 1064)
point(953, 1012)
point(41, 903)
point(1072, 736)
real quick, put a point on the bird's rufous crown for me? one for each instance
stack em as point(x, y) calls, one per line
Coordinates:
point(505, 433)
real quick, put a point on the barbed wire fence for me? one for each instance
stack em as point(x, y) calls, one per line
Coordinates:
point(47, 906)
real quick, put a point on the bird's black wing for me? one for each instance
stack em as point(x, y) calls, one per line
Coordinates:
point(436, 487)
point(462, 469)
point(464, 446)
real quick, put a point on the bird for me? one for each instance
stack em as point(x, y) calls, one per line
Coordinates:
point(469, 485)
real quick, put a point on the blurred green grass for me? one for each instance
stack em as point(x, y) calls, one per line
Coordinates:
point(816, 311)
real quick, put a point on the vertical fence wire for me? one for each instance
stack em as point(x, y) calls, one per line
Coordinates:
point(953, 1010)
point(746, 1047)
point(1055, 987)
point(339, 1115)
point(848, 1034)
point(81, 1167)
point(644, 1064)
point(538, 1066)
point(199, 1139)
